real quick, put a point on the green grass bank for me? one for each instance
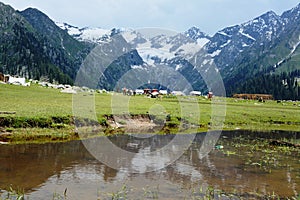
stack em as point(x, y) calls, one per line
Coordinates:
point(40, 114)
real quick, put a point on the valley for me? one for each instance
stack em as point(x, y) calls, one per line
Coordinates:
point(148, 113)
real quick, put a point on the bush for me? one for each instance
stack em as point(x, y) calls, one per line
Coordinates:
point(36, 122)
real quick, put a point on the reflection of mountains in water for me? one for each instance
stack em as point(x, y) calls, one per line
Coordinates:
point(29, 166)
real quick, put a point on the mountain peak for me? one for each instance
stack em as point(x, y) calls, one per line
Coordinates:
point(270, 13)
point(195, 33)
point(268, 16)
point(9, 17)
point(268, 25)
point(34, 11)
point(5, 6)
point(291, 15)
point(194, 28)
point(297, 8)
point(37, 19)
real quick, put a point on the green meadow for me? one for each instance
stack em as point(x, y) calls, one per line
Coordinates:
point(36, 103)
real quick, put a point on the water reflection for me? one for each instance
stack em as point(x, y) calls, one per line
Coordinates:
point(138, 154)
point(48, 168)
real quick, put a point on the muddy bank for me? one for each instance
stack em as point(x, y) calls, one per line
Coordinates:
point(145, 123)
point(134, 123)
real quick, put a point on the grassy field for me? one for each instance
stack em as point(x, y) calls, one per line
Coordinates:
point(35, 102)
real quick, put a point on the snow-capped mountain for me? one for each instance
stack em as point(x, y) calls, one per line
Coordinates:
point(230, 49)
point(224, 47)
point(94, 35)
point(291, 16)
point(228, 44)
point(172, 51)
point(195, 33)
point(163, 48)
point(153, 49)
point(156, 48)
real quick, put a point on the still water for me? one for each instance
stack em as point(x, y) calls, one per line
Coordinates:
point(243, 164)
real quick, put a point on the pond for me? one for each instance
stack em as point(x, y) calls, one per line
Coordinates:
point(242, 164)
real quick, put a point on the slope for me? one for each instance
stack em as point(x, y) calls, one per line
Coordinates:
point(62, 49)
point(21, 49)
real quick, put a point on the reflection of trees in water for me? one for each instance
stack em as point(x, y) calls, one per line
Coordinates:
point(30, 165)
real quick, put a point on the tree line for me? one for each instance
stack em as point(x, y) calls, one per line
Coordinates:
point(284, 86)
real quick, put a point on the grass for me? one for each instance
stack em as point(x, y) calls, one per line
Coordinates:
point(263, 116)
point(13, 194)
point(38, 104)
point(259, 152)
point(124, 193)
point(34, 101)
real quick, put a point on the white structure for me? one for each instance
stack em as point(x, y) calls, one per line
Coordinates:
point(177, 93)
point(137, 91)
point(163, 92)
point(68, 91)
point(154, 93)
point(61, 86)
point(17, 81)
point(195, 93)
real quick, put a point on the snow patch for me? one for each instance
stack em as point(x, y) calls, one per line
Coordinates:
point(290, 54)
point(149, 55)
point(93, 34)
point(224, 45)
point(269, 35)
point(189, 49)
point(246, 35)
point(72, 30)
point(216, 53)
point(202, 41)
point(84, 34)
point(137, 67)
point(178, 67)
point(223, 33)
point(129, 36)
point(205, 61)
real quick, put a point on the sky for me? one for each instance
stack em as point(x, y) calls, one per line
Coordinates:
point(178, 15)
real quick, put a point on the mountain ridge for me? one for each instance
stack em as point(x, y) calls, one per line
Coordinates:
point(265, 45)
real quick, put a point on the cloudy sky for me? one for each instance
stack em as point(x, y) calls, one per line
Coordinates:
point(179, 15)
